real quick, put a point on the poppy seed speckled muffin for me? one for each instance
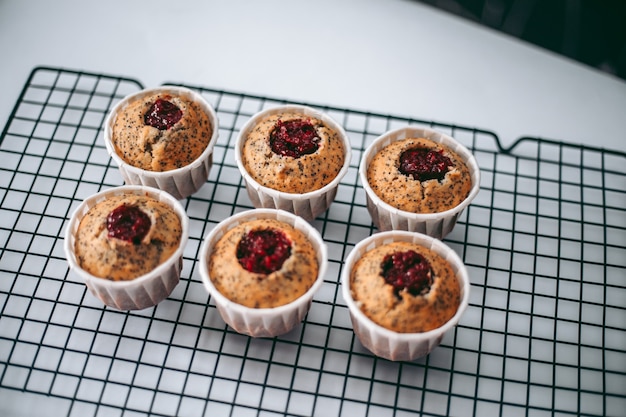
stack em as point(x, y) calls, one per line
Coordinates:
point(262, 268)
point(405, 287)
point(163, 137)
point(419, 175)
point(293, 152)
point(263, 263)
point(161, 132)
point(127, 244)
point(404, 291)
point(419, 180)
point(292, 158)
point(125, 236)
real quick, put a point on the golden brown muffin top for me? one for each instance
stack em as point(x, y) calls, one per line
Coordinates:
point(161, 132)
point(429, 193)
point(126, 236)
point(290, 174)
point(405, 310)
point(296, 275)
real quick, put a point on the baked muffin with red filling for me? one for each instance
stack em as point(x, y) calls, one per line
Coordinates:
point(292, 158)
point(404, 291)
point(164, 138)
point(127, 244)
point(293, 152)
point(405, 287)
point(161, 132)
point(263, 263)
point(419, 175)
point(419, 180)
point(262, 268)
point(126, 236)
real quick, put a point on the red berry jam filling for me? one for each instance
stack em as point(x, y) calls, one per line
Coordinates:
point(162, 114)
point(128, 223)
point(424, 164)
point(294, 138)
point(263, 251)
point(407, 270)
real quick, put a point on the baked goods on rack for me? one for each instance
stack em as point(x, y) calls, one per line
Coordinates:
point(262, 268)
point(263, 263)
point(293, 152)
point(126, 236)
point(161, 131)
point(419, 175)
point(419, 180)
point(404, 291)
point(405, 287)
point(127, 244)
point(292, 158)
point(164, 138)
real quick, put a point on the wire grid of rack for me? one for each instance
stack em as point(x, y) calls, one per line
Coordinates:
point(544, 243)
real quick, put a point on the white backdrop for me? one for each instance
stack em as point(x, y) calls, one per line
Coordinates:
point(389, 56)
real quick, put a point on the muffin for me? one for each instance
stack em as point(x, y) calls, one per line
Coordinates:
point(419, 180)
point(126, 236)
point(404, 290)
point(293, 158)
point(127, 243)
point(405, 287)
point(164, 138)
point(263, 263)
point(262, 268)
point(419, 175)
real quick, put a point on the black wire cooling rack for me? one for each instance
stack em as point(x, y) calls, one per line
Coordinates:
point(544, 242)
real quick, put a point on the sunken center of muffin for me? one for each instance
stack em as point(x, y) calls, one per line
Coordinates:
point(263, 251)
point(407, 270)
point(424, 164)
point(128, 223)
point(163, 114)
point(294, 138)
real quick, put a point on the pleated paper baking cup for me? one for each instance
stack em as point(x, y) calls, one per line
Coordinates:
point(180, 182)
point(307, 205)
point(146, 290)
point(263, 322)
point(386, 343)
point(386, 217)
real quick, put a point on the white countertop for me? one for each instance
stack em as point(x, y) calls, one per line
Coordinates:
point(395, 57)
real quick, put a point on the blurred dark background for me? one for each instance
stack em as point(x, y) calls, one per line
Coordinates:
point(589, 31)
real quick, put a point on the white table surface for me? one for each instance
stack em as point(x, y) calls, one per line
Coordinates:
point(394, 57)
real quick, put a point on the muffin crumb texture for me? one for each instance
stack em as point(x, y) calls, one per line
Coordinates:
point(161, 132)
point(289, 174)
point(119, 259)
point(295, 277)
point(408, 193)
point(402, 311)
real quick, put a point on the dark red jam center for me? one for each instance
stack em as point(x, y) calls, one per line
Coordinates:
point(294, 138)
point(424, 164)
point(263, 251)
point(407, 270)
point(163, 114)
point(128, 223)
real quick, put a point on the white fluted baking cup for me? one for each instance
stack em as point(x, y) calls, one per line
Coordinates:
point(387, 217)
point(306, 205)
point(146, 290)
point(181, 182)
point(386, 343)
point(263, 322)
